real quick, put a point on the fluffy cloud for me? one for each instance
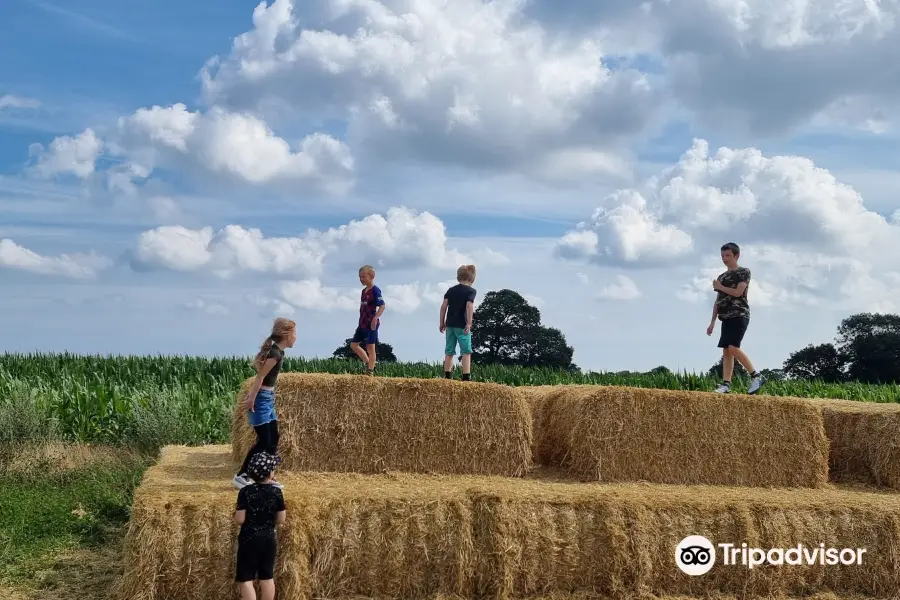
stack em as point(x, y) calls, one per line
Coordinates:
point(807, 236)
point(402, 238)
point(706, 200)
point(468, 82)
point(226, 252)
point(625, 231)
point(231, 144)
point(68, 155)
point(75, 266)
point(770, 66)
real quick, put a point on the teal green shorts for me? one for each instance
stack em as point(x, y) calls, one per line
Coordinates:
point(455, 335)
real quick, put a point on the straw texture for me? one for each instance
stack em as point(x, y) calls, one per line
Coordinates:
point(347, 423)
point(864, 441)
point(420, 536)
point(618, 434)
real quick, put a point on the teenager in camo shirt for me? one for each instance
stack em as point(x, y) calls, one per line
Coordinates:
point(733, 310)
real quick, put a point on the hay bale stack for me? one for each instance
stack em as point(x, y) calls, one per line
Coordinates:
point(418, 536)
point(865, 441)
point(348, 423)
point(619, 540)
point(346, 535)
point(618, 434)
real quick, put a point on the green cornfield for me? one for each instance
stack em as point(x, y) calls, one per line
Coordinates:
point(150, 401)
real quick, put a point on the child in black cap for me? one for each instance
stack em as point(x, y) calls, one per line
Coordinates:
point(260, 507)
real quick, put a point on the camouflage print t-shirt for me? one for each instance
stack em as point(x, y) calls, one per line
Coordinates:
point(733, 306)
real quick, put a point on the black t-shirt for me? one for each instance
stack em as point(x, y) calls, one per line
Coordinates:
point(262, 503)
point(278, 354)
point(457, 298)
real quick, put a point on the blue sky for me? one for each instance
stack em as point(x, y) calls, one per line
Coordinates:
point(573, 155)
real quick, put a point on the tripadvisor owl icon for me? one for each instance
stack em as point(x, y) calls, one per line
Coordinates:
point(695, 555)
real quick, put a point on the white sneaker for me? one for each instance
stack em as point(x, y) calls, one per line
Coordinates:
point(241, 481)
point(722, 389)
point(755, 384)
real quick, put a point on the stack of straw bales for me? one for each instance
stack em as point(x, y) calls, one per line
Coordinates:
point(415, 489)
point(417, 536)
point(346, 423)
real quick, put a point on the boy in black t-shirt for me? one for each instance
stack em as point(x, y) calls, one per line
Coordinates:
point(260, 507)
point(457, 310)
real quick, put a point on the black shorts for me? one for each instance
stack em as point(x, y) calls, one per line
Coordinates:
point(733, 330)
point(256, 558)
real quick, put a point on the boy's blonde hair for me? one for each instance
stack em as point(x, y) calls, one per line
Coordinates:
point(466, 273)
point(367, 269)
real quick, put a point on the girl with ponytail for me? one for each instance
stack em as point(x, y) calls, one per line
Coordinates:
point(260, 400)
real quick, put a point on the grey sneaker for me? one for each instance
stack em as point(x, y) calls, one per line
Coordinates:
point(241, 481)
point(277, 484)
point(722, 389)
point(755, 384)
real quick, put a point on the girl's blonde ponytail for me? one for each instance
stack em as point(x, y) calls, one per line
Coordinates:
point(281, 328)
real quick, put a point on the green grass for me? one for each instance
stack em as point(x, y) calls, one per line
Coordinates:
point(47, 511)
point(150, 401)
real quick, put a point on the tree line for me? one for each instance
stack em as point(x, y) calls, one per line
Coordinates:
point(507, 330)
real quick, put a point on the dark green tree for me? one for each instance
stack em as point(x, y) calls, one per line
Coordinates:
point(506, 330)
point(822, 362)
point(870, 345)
point(384, 352)
point(875, 358)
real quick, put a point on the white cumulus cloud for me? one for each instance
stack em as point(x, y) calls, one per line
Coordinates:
point(803, 233)
point(75, 266)
point(231, 144)
point(467, 82)
point(774, 66)
point(68, 155)
point(402, 238)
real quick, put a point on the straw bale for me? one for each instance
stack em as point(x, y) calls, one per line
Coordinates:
point(347, 423)
point(344, 536)
point(864, 441)
point(619, 434)
point(436, 536)
point(617, 540)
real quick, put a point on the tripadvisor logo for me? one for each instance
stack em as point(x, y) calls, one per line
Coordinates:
point(696, 555)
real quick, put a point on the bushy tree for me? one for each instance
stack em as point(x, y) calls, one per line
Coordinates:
point(822, 362)
point(506, 330)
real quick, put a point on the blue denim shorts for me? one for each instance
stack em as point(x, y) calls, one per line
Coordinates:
point(263, 408)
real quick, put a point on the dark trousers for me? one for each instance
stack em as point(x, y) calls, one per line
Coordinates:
point(266, 441)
